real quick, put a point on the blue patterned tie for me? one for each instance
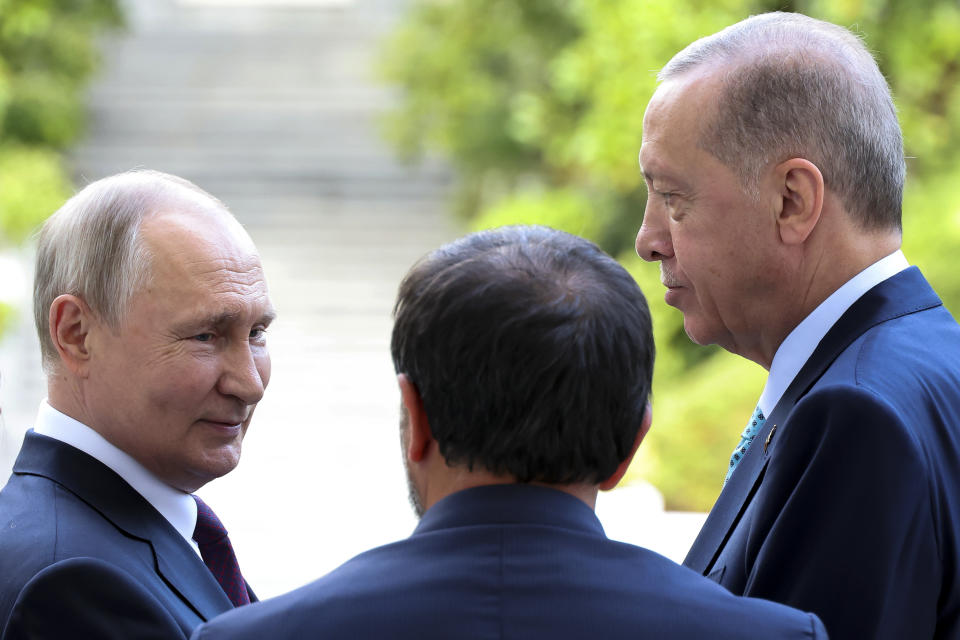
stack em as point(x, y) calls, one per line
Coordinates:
point(749, 433)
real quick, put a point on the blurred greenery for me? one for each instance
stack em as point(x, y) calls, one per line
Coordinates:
point(47, 54)
point(6, 316)
point(538, 105)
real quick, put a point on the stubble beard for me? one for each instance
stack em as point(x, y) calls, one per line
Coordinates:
point(413, 494)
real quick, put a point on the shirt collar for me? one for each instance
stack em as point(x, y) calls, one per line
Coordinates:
point(510, 504)
point(177, 507)
point(797, 348)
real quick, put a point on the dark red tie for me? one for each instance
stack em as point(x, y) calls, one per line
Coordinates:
point(218, 555)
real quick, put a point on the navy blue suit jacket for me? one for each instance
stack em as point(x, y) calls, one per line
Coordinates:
point(83, 555)
point(510, 561)
point(848, 502)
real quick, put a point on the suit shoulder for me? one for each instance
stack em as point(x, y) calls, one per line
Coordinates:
point(46, 522)
point(349, 597)
point(850, 416)
point(903, 356)
point(709, 610)
point(28, 526)
point(904, 373)
point(81, 597)
point(43, 523)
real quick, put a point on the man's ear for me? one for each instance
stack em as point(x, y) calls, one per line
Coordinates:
point(419, 435)
point(614, 479)
point(70, 323)
point(801, 199)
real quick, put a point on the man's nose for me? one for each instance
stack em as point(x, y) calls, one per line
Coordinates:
point(244, 374)
point(653, 238)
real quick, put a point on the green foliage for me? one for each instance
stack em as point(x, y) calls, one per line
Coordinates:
point(931, 230)
point(47, 53)
point(32, 186)
point(6, 316)
point(539, 107)
point(482, 102)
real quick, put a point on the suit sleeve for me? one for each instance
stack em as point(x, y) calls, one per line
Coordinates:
point(844, 521)
point(88, 598)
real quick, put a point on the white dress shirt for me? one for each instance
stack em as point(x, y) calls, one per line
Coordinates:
point(797, 348)
point(177, 507)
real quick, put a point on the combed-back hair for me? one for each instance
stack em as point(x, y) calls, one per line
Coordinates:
point(532, 350)
point(91, 246)
point(799, 87)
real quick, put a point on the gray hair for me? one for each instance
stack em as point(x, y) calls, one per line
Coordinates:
point(91, 247)
point(794, 86)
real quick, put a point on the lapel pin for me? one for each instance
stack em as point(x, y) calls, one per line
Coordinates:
point(766, 444)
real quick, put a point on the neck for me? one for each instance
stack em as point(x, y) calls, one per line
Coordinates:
point(817, 269)
point(64, 395)
point(446, 481)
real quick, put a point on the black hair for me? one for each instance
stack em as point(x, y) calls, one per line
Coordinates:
point(532, 350)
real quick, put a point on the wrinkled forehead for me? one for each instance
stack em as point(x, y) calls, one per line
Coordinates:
point(197, 245)
point(678, 114)
point(689, 99)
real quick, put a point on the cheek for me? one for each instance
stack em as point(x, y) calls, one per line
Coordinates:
point(182, 385)
point(263, 364)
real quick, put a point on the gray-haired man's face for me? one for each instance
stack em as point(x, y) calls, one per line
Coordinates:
point(176, 386)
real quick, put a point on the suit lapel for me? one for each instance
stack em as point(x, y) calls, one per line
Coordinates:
point(175, 561)
point(906, 292)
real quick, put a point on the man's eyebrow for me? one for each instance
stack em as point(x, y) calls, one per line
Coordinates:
point(224, 318)
point(667, 181)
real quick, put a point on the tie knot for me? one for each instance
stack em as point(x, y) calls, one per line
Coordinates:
point(209, 529)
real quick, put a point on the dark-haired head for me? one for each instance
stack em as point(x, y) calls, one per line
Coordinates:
point(532, 352)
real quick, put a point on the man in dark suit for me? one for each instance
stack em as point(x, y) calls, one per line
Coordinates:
point(524, 358)
point(151, 308)
point(775, 169)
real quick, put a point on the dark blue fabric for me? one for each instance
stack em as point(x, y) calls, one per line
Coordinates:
point(852, 510)
point(510, 561)
point(83, 555)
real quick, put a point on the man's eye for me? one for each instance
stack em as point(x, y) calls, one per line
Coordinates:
point(667, 197)
point(258, 333)
point(203, 337)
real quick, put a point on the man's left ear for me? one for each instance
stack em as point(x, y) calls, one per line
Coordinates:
point(420, 436)
point(614, 479)
point(801, 199)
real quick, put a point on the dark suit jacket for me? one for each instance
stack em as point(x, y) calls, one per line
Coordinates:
point(510, 561)
point(848, 502)
point(83, 555)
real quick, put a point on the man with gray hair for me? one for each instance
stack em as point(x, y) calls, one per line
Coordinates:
point(775, 169)
point(151, 308)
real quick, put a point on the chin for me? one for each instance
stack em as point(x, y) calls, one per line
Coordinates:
point(695, 333)
point(220, 463)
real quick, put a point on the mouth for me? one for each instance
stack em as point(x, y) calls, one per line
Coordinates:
point(224, 423)
point(671, 285)
point(673, 293)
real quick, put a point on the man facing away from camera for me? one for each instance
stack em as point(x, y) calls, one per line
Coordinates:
point(524, 359)
point(151, 308)
point(775, 169)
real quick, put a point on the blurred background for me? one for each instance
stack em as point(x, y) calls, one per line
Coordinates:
point(352, 136)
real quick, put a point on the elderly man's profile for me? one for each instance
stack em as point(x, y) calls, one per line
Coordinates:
point(775, 168)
